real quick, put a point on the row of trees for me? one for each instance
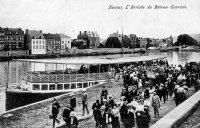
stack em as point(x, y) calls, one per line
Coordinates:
point(132, 42)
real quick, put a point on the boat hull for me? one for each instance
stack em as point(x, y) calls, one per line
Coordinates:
point(18, 99)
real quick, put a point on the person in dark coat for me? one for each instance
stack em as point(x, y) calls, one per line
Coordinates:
point(96, 111)
point(111, 102)
point(104, 94)
point(55, 111)
point(66, 116)
point(124, 93)
point(106, 119)
point(72, 102)
point(123, 112)
point(146, 94)
point(115, 117)
point(142, 119)
point(73, 120)
point(130, 117)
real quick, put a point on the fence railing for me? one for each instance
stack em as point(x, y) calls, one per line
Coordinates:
point(38, 77)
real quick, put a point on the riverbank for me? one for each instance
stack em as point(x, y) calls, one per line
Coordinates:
point(8, 56)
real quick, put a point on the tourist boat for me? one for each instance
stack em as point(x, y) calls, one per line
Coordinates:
point(39, 85)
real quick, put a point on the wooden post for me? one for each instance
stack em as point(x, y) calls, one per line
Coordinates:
point(99, 71)
point(7, 77)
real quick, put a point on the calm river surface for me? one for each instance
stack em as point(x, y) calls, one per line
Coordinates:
point(13, 71)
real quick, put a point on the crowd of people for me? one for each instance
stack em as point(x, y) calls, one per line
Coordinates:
point(140, 92)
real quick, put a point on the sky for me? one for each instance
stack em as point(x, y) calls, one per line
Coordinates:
point(72, 16)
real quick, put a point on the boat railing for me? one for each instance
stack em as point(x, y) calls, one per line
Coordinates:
point(59, 78)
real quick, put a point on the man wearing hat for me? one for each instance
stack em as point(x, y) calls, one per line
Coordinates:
point(111, 102)
point(85, 102)
point(142, 119)
point(156, 103)
point(72, 102)
point(73, 120)
point(130, 117)
point(55, 111)
point(66, 115)
point(96, 111)
point(104, 93)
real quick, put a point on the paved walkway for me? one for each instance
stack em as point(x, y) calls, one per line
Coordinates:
point(115, 90)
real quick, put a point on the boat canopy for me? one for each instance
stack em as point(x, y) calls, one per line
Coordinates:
point(89, 61)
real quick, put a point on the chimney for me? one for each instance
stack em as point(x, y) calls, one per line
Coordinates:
point(85, 33)
point(40, 31)
point(80, 32)
point(26, 30)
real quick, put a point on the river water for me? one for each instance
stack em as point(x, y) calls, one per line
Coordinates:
point(13, 71)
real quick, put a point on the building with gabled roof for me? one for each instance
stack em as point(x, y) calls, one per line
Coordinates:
point(53, 43)
point(35, 42)
point(65, 41)
point(11, 38)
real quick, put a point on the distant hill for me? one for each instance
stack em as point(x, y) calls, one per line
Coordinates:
point(186, 39)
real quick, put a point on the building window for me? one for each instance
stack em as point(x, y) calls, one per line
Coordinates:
point(36, 42)
point(36, 46)
point(43, 46)
point(40, 42)
point(44, 87)
point(52, 87)
point(63, 42)
point(43, 42)
point(85, 85)
point(33, 46)
point(79, 85)
point(33, 42)
point(66, 86)
point(59, 86)
point(36, 87)
point(40, 47)
point(73, 86)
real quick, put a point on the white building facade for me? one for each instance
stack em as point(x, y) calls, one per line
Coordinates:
point(38, 46)
point(65, 42)
point(35, 41)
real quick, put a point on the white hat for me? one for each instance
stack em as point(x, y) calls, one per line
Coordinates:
point(181, 89)
point(72, 113)
point(104, 100)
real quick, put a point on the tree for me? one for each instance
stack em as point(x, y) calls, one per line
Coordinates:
point(185, 40)
point(101, 45)
point(126, 42)
point(113, 42)
point(148, 43)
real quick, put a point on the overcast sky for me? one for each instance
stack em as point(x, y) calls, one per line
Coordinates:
point(72, 16)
